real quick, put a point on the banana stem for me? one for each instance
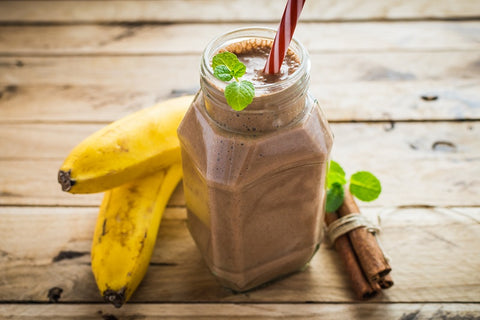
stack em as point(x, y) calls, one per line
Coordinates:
point(65, 180)
point(117, 298)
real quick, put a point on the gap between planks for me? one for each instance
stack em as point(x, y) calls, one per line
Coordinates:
point(126, 23)
point(325, 311)
point(332, 121)
point(196, 54)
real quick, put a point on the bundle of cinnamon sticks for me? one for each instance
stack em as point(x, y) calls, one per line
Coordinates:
point(365, 263)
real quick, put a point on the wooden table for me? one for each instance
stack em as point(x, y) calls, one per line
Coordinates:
point(399, 81)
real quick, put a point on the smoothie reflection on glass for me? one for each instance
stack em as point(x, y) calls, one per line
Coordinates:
point(254, 180)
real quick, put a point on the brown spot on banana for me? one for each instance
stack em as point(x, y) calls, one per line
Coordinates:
point(65, 181)
point(133, 189)
point(104, 227)
point(142, 245)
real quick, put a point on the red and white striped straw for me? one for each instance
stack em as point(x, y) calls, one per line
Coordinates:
point(284, 36)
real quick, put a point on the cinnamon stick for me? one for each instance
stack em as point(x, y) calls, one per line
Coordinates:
point(363, 289)
point(386, 282)
point(370, 256)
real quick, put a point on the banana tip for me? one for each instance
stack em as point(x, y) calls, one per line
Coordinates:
point(117, 298)
point(65, 180)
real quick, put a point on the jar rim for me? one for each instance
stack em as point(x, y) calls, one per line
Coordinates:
point(246, 33)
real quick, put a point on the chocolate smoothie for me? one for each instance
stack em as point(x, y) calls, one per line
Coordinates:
point(254, 180)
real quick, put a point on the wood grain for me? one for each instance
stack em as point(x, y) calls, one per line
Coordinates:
point(424, 245)
point(176, 38)
point(418, 163)
point(242, 311)
point(216, 10)
point(16, 183)
point(69, 67)
point(363, 86)
point(349, 101)
point(154, 72)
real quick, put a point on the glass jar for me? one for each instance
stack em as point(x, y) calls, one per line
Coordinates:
point(254, 180)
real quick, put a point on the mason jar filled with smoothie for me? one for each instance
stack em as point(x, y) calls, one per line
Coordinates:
point(254, 180)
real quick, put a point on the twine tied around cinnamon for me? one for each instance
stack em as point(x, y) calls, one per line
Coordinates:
point(350, 222)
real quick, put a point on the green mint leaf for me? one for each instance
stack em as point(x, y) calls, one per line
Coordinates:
point(334, 197)
point(239, 70)
point(336, 174)
point(227, 66)
point(365, 186)
point(225, 58)
point(223, 73)
point(239, 94)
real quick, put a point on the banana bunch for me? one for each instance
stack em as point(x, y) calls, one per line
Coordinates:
point(136, 161)
point(132, 147)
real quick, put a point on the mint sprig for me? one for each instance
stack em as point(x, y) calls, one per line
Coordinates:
point(363, 185)
point(239, 94)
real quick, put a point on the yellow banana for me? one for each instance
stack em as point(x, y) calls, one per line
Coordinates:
point(126, 231)
point(132, 147)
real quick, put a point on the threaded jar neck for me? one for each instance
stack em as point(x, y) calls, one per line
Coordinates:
point(276, 104)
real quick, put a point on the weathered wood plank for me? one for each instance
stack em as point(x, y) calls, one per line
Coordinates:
point(411, 140)
point(355, 101)
point(154, 72)
point(17, 187)
point(425, 245)
point(363, 86)
point(418, 163)
point(215, 10)
point(243, 311)
point(64, 229)
point(176, 38)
